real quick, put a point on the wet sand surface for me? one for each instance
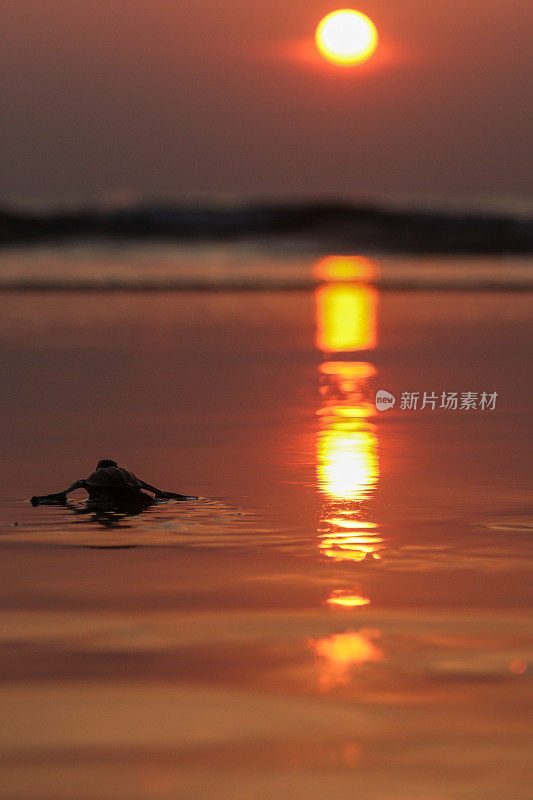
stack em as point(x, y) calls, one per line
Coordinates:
point(345, 611)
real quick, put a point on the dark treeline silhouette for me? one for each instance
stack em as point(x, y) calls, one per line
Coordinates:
point(358, 227)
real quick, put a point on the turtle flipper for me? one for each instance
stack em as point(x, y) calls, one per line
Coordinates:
point(59, 498)
point(174, 496)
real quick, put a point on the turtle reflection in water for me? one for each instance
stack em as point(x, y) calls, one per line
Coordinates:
point(112, 487)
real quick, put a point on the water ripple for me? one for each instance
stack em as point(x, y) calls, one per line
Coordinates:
point(205, 523)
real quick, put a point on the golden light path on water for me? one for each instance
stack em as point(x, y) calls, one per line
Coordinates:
point(345, 268)
point(340, 652)
point(347, 464)
point(338, 598)
point(346, 317)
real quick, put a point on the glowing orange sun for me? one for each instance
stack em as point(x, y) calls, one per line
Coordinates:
point(346, 37)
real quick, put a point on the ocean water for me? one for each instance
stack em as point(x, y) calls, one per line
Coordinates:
point(347, 607)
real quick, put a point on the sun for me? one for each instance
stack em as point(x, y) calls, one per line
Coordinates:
point(346, 37)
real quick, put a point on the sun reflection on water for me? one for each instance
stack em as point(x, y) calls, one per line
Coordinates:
point(346, 317)
point(340, 653)
point(360, 269)
point(338, 598)
point(347, 465)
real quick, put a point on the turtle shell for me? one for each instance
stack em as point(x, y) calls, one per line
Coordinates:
point(115, 478)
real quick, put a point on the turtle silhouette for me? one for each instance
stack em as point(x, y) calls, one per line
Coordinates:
point(112, 485)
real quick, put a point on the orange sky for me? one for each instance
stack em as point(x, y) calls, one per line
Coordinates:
point(163, 97)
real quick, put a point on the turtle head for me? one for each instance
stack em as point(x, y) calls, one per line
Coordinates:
point(106, 462)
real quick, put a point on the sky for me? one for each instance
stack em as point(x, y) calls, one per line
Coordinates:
point(119, 99)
